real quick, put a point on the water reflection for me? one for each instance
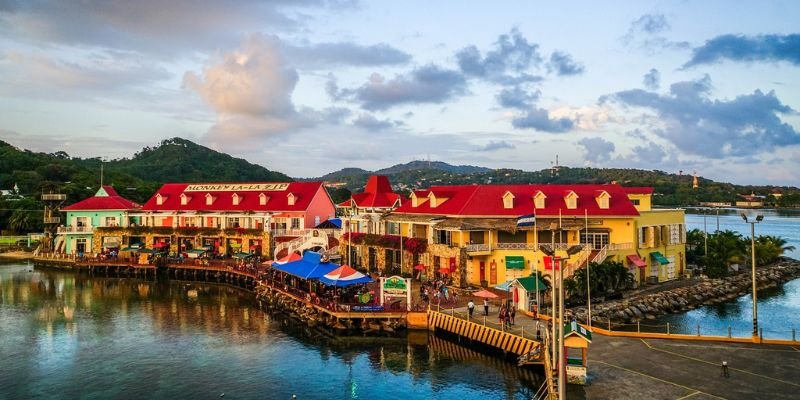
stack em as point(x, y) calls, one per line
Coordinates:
point(71, 336)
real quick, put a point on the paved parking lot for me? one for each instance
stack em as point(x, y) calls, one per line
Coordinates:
point(622, 368)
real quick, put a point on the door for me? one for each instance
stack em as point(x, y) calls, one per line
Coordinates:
point(671, 268)
point(483, 271)
point(372, 259)
point(80, 246)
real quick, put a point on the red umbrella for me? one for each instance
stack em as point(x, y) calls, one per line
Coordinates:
point(485, 293)
point(444, 270)
point(289, 258)
point(419, 267)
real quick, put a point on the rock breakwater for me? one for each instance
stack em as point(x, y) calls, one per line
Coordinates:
point(705, 292)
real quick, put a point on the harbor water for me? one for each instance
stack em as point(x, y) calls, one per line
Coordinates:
point(778, 308)
point(64, 335)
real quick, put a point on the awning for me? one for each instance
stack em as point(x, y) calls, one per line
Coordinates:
point(344, 276)
point(195, 251)
point(659, 257)
point(636, 260)
point(146, 251)
point(505, 286)
point(242, 255)
point(529, 283)
point(309, 267)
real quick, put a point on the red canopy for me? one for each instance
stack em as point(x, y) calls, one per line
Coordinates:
point(419, 267)
point(636, 260)
point(444, 270)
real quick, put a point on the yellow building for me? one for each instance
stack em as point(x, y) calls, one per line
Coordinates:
point(472, 232)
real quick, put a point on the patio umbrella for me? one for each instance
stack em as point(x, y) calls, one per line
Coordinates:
point(344, 276)
point(484, 293)
point(291, 257)
point(419, 267)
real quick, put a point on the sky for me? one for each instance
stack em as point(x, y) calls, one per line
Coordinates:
point(307, 87)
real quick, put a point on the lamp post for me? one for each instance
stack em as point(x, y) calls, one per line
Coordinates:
point(572, 250)
point(753, 223)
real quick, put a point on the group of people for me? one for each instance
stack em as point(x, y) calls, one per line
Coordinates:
point(507, 315)
point(437, 292)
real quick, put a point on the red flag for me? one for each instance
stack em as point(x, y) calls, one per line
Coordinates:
point(548, 262)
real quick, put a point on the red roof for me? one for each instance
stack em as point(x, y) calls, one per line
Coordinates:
point(275, 194)
point(638, 190)
point(105, 199)
point(377, 193)
point(487, 200)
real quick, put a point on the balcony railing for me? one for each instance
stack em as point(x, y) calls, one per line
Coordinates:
point(620, 246)
point(75, 229)
point(52, 220)
point(475, 248)
point(288, 232)
point(516, 246)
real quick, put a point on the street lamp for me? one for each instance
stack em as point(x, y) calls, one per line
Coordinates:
point(758, 219)
point(572, 250)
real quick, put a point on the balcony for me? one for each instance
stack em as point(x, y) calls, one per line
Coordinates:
point(479, 249)
point(54, 197)
point(75, 229)
point(52, 220)
point(516, 246)
point(620, 246)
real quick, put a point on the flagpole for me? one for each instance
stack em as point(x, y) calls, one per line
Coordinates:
point(588, 275)
point(536, 273)
point(554, 283)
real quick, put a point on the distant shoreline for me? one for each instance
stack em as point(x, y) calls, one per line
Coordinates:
point(16, 255)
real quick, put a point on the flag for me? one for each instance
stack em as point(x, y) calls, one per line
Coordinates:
point(548, 263)
point(526, 220)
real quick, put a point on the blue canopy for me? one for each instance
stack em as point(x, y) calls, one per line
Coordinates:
point(332, 223)
point(505, 286)
point(309, 267)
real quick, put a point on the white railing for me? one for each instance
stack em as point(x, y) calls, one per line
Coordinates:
point(75, 229)
point(620, 246)
point(288, 232)
point(473, 248)
point(601, 255)
point(516, 246)
point(311, 238)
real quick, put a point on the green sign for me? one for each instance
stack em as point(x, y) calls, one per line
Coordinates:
point(515, 262)
point(395, 283)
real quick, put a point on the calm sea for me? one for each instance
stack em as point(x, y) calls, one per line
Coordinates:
point(778, 308)
point(67, 336)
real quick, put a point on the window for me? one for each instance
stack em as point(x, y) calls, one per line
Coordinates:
point(262, 199)
point(508, 237)
point(111, 221)
point(236, 199)
point(508, 200)
point(477, 237)
point(443, 237)
point(184, 199)
point(420, 231)
point(233, 222)
point(290, 199)
point(295, 223)
point(635, 202)
point(538, 200)
point(596, 240)
point(160, 199)
point(392, 228)
point(209, 199)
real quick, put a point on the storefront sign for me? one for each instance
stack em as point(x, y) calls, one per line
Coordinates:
point(244, 187)
point(515, 262)
point(395, 286)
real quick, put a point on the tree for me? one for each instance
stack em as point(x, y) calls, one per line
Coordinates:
point(724, 248)
point(769, 248)
point(20, 221)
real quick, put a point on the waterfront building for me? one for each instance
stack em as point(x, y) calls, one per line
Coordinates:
point(363, 213)
point(232, 218)
point(106, 209)
point(470, 232)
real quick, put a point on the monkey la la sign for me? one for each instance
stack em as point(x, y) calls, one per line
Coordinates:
point(238, 187)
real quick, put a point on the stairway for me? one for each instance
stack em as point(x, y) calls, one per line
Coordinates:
point(311, 239)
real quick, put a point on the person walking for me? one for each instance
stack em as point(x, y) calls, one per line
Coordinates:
point(470, 308)
point(513, 314)
point(724, 371)
point(485, 307)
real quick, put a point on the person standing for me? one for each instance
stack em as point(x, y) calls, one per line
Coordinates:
point(470, 308)
point(513, 314)
point(485, 306)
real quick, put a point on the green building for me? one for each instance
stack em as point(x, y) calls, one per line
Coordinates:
point(105, 209)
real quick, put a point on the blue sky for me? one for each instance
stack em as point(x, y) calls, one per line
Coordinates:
point(308, 87)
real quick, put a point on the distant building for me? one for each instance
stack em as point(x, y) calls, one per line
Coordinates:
point(105, 209)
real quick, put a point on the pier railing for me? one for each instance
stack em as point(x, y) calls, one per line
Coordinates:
point(651, 330)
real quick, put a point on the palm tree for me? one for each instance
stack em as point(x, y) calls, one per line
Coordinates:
point(20, 221)
point(724, 248)
point(769, 248)
point(570, 287)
